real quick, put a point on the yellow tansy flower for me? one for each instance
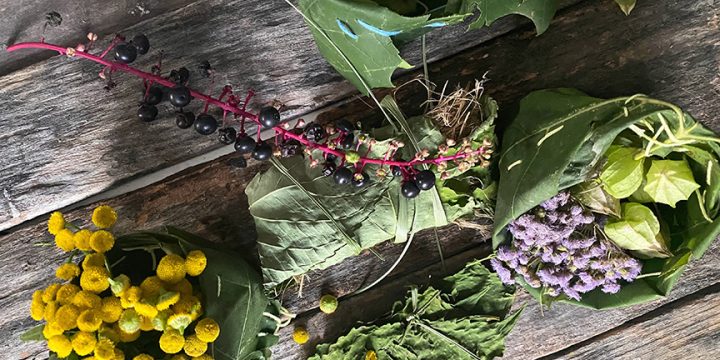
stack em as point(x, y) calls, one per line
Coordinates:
point(94, 279)
point(102, 241)
point(66, 293)
point(84, 343)
point(207, 330)
point(203, 357)
point(50, 310)
point(195, 263)
point(188, 305)
point(66, 316)
point(144, 308)
point(143, 357)
point(371, 355)
point(104, 216)
point(50, 292)
point(67, 271)
point(129, 321)
point(105, 350)
point(107, 332)
point(87, 300)
point(160, 321)
point(118, 354)
point(128, 337)
point(152, 286)
point(82, 240)
point(56, 223)
point(171, 268)
point(167, 299)
point(64, 240)
point(60, 345)
point(130, 297)
point(300, 335)
point(172, 342)
point(93, 260)
point(37, 307)
point(328, 304)
point(179, 321)
point(51, 329)
point(111, 309)
point(146, 324)
point(89, 320)
point(184, 287)
point(194, 346)
point(119, 284)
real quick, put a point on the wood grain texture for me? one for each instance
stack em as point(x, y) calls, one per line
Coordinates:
point(686, 328)
point(65, 139)
point(27, 23)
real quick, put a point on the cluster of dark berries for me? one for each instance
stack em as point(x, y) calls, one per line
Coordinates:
point(127, 52)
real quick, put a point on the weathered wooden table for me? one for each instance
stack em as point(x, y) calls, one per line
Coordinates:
point(67, 145)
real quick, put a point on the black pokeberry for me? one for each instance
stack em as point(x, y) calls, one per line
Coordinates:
point(141, 44)
point(263, 151)
point(179, 96)
point(360, 179)
point(180, 76)
point(147, 112)
point(425, 180)
point(347, 141)
point(154, 95)
point(227, 135)
point(125, 53)
point(314, 132)
point(409, 189)
point(396, 170)
point(343, 176)
point(244, 144)
point(205, 124)
point(184, 119)
point(269, 117)
point(329, 168)
point(344, 125)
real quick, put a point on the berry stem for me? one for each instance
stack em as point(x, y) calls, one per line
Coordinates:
point(227, 107)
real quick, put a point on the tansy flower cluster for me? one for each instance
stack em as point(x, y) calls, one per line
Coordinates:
point(96, 315)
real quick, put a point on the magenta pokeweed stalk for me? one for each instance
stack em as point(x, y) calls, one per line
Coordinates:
point(335, 142)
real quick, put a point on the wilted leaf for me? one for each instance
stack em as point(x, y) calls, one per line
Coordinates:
point(623, 172)
point(594, 197)
point(540, 12)
point(670, 181)
point(638, 230)
point(463, 319)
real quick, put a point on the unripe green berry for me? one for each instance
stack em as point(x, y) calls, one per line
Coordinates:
point(328, 304)
point(352, 157)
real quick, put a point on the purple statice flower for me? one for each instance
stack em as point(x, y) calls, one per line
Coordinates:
point(555, 247)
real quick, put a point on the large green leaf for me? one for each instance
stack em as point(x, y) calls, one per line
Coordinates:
point(638, 230)
point(306, 222)
point(464, 318)
point(540, 12)
point(355, 37)
point(670, 181)
point(623, 172)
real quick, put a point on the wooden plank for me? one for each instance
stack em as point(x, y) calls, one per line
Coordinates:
point(25, 21)
point(67, 140)
point(686, 328)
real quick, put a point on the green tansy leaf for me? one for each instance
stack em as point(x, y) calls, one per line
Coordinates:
point(33, 334)
point(638, 230)
point(355, 37)
point(594, 197)
point(626, 5)
point(623, 172)
point(464, 318)
point(670, 181)
point(540, 12)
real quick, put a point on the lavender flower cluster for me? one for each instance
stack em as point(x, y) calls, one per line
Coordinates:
point(556, 247)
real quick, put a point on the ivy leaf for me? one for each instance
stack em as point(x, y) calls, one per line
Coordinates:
point(623, 172)
point(670, 181)
point(540, 12)
point(638, 230)
point(464, 318)
point(594, 197)
point(626, 5)
point(355, 37)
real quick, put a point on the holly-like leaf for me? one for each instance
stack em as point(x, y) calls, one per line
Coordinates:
point(540, 12)
point(638, 230)
point(626, 5)
point(670, 181)
point(623, 172)
point(464, 318)
point(594, 197)
point(355, 37)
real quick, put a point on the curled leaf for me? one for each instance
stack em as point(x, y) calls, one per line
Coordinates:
point(592, 195)
point(638, 230)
